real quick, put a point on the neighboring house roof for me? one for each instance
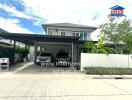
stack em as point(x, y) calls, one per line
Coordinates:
point(68, 25)
point(3, 44)
point(3, 31)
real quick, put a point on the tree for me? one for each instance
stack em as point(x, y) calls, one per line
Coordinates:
point(125, 30)
point(120, 33)
point(99, 48)
point(128, 45)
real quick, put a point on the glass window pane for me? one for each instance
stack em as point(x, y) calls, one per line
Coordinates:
point(62, 33)
point(85, 36)
point(81, 35)
point(50, 32)
point(73, 34)
point(77, 34)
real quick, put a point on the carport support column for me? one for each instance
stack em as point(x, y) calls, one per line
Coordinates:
point(35, 52)
point(77, 53)
point(41, 49)
point(72, 51)
point(14, 51)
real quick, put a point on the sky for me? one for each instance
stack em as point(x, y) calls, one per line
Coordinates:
point(27, 16)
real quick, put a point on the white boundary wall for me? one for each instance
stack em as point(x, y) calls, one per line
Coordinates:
point(102, 60)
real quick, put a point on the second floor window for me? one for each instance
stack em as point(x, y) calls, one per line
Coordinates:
point(82, 35)
point(62, 33)
point(10, 41)
point(50, 32)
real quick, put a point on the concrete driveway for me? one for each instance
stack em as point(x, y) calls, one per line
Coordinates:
point(61, 86)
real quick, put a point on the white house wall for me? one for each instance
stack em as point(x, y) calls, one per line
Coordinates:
point(22, 45)
point(4, 40)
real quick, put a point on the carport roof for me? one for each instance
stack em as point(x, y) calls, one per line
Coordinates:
point(32, 38)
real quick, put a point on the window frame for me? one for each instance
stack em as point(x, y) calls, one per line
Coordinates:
point(74, 33)
point(61, 33)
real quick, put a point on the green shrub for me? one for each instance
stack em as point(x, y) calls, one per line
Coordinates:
point(22, 52)
point(108, 71)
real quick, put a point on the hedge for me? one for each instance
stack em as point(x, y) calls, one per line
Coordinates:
point(108, 71)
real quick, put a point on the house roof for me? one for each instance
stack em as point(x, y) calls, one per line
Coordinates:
point(117, 7)
point(3, 44)
point(31, 38)
point(1, 31)
point(68, 25)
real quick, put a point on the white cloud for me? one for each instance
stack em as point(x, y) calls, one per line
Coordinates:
point(37, 20)
point(76, 11)
point(11, 25)
point(14, 12)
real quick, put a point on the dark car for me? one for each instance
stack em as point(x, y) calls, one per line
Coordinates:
point(62, 59)
point(44, 58)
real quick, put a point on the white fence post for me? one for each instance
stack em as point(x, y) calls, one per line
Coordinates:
point(130, 60)
point(0, 67)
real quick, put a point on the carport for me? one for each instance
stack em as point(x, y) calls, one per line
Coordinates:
point(36, 41)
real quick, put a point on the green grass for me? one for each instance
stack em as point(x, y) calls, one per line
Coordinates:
point(107, 71)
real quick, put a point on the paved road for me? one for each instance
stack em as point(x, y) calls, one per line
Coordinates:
point(62, 87)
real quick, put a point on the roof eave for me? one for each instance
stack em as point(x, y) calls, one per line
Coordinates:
point(46, 25)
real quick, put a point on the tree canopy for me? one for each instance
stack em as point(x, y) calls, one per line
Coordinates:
point(119, 33)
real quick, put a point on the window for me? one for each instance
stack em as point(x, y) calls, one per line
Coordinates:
point(62, 33)
point(10, 41)
point(50, 32)
point(73, 34)
point(82, 35)
point(85, 36)
point(77, 34)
